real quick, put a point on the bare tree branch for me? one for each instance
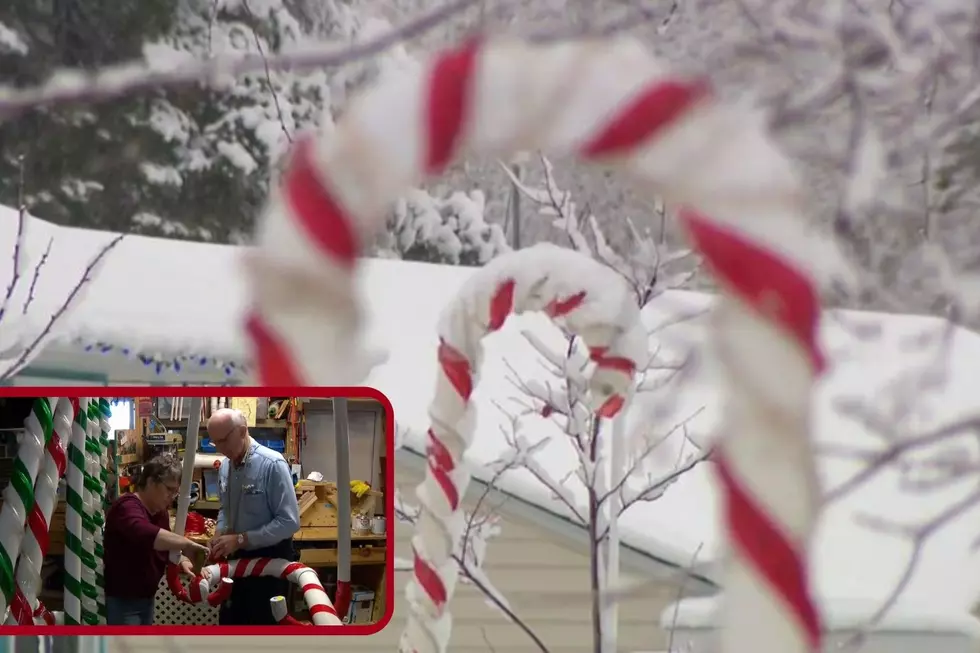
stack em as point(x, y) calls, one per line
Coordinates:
point(126, 79)
point(28, 351)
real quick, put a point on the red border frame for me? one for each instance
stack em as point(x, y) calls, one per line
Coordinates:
point(235, 391)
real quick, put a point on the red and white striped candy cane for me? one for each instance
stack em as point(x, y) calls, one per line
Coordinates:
point(588, 299)
point(609, 102)
point(317, 602)
point(198, 591)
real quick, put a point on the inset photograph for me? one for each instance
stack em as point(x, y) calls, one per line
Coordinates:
point(133, 513)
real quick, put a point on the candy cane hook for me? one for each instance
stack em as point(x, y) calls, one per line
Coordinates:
point(603, 101)
point(317, 602)
point(199, 591)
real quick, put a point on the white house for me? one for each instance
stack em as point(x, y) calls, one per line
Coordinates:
point(183, 301)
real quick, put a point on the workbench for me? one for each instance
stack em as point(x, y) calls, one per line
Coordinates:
point(317, 543)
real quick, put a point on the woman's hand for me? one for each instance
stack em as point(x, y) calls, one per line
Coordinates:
point(206, 572)
point(190, 546)
point(187, 567)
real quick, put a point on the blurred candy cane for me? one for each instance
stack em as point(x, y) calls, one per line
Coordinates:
point(608, 102)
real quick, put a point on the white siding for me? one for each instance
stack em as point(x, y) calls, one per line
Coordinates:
point(545, 580)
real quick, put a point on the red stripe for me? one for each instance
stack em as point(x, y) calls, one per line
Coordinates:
point(610, 407)
point(429, 581)
point(291, 567)
point(656, 108)
point(436, 450)
point(57, 452)
point(312, 586)
point(317, 213)
point(39, 527)
point(618, 363)
point(274, 362)
point(45, 615)
point(771, 286)
point(456, 368)
point(769, 551)
point(448, 103)
point(259, 566)
point(194, 591)
point(223, 569)
point(501, 304)
point(321, 608)
point(559, 307)
point(21, 609)
point(445, 482)
point(220, 594)
point(441, 464)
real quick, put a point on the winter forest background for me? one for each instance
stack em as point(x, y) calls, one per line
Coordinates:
point(195, 162)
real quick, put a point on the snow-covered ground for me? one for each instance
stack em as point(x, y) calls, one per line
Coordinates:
point(169, 295)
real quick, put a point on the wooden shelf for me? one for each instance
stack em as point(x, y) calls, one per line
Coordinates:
point(259, 424)
point(362, 555)
point(329, 534)
point(206, 505)
point(127, 459)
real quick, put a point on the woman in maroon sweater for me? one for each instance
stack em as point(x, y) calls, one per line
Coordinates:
point(138, 541)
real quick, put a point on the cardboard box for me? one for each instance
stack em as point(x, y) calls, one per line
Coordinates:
point(361, 608)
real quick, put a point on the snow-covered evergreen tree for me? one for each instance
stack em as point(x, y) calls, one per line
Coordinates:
point(197, 162)
point(424, 227)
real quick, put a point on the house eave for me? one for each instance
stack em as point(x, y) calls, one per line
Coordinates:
point(632, 559)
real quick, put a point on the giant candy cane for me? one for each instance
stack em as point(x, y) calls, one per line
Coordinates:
point(590, 300)
point(321, 609)
point(26, 609)
point(613, 103)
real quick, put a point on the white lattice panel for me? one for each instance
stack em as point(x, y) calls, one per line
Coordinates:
point(168, 610)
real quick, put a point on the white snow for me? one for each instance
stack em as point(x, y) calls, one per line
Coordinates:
point(840, 615)
point(194, 300)
point(11, 41)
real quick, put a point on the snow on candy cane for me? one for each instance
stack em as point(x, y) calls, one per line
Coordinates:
point(592, 301)
point(609, 102)
point(321, 609)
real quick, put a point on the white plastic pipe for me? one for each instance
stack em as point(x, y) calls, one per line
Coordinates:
point(340, 430)
point(187, 472)
point(617, 468)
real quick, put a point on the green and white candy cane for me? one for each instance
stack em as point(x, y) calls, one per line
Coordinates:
point(36, 538)
point(105, 412)
point(75, 516)
point(18, 497)
point(92, 503)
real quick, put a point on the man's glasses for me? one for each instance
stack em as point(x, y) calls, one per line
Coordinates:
point(220, 441)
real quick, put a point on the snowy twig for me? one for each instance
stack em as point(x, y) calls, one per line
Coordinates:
point(919, 535)
point(28, 352)
point(37, 275)
point(125, 79)
point(268, 72)
point(877, 461)
point(469, 564)
point(19, 245)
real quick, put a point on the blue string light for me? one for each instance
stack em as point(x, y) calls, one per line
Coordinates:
point(161, 364)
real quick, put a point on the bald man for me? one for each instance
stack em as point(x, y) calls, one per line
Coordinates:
point(258, 517)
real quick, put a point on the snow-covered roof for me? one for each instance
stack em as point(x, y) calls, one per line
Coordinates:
point(176, 296)
point(154, 297)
